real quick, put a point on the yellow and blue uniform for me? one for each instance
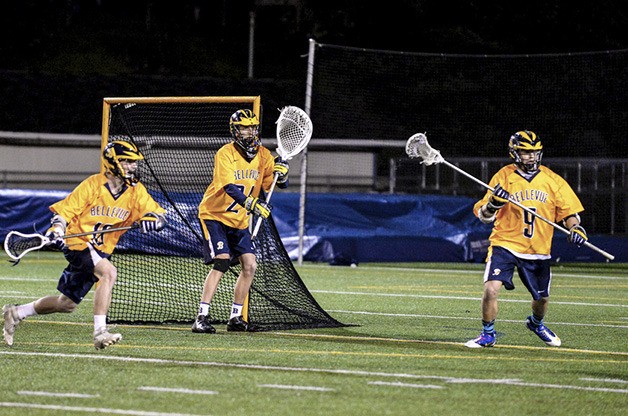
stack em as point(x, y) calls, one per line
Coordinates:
point(91, 207)
point(248, 176)
point(519, 232)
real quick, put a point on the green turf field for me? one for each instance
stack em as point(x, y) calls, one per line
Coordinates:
point(404, 356)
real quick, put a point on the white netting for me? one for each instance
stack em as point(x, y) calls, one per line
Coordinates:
point(16, 244)
point(294, 130)
point(417, 146)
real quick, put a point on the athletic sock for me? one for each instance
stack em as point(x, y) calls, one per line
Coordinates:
point(203, 308)
point(536, 321)
point(100, 321)
point(488, 327)
point(236, 310)
point(24, 311)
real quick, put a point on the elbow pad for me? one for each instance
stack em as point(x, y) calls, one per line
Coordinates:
point(59, 224)
point(485, 216)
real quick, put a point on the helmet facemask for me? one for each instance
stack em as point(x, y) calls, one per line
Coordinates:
point(244, 127)
point(115, 153)
point(526, 150)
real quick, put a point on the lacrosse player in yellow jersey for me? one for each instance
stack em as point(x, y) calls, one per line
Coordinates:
point(112, 199)
point(242, 169)
point(520, 240)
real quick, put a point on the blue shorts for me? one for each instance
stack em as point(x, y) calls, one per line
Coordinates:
point(221, 239)
point(78, 277)
point(534, 274)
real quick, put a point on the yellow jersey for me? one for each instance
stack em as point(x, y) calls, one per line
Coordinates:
point(546, 193)
point(91, 207)
point(230, 167)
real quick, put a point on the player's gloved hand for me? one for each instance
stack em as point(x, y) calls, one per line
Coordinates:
point(499, 198)
point(577, 235)
point(55, 235)
point(152, 222)
point(281, 168)
point(256, 206)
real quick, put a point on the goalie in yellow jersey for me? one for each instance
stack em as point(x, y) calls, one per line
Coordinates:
point(114, 199)
point(519, 240)
point(242, 169)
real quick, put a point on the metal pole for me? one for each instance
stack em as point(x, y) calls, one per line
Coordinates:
point(302, 192)
point(251, 42)
point(392, 175)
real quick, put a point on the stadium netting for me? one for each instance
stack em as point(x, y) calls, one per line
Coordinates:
point(161, 275)
point(470, 104)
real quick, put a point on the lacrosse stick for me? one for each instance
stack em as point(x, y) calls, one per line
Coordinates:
point(418, 147)
point(17, 244)
point(294, 131)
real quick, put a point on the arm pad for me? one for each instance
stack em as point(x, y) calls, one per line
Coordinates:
point(486, 215)
point(235, 193)
point(59, 224)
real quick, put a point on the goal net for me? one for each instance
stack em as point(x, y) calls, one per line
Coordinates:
point(161, 275)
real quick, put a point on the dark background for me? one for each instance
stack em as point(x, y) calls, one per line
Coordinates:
point(58, 59)
point(211, 37)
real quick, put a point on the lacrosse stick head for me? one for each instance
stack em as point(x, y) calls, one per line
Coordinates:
point(17, 244)
point(418, 147)
point(294, 131)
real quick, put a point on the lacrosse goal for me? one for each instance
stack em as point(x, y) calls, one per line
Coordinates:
point(161, 275)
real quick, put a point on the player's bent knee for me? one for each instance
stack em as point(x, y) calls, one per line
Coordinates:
point(70, 308)
point(65, 304)
point(249, 268)
point(222, 265)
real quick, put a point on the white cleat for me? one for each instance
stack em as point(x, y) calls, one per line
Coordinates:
point(103, 339)
point(11, 320)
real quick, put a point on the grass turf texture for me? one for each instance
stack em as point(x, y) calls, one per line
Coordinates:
point(405, 356)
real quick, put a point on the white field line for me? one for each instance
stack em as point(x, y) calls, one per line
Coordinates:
point(53, 394)
point(175, 390)
point(552, 386)
point(288, 387)
point(91, 410)
point(404, 269)
point(467, 318)
point(589, 276)
point(405, 295)
point(301, 369)
point(397, 384)
point(27, 279)
point(479, 272)
point(605, 380)
point(401, 295)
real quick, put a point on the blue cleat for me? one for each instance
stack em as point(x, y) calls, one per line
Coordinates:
point(543, 332)
point(486, 339)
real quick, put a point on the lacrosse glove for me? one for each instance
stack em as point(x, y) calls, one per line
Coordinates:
point(254, 205)
point(281, 169)
point(152, 222)
point(577, 235)
point(55, 237)
point(56, 231)
point(499, 198)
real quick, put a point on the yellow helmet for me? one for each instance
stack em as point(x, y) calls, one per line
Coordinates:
point(116, 151)
point(245, 118)
point(526, 140)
